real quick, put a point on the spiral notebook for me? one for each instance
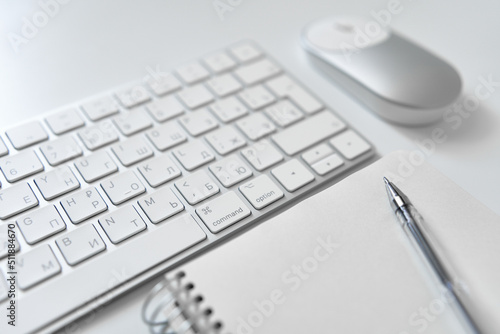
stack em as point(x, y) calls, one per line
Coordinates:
point(331, 265)
point(339, 262)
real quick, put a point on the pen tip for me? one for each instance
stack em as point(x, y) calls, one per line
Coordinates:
point(386, 181)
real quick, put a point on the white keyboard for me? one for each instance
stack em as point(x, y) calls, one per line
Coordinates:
point(115, 189)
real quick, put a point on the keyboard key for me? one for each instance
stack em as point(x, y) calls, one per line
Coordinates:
point(96, 166)
point(165, 108)
point(256, 126)
point(26, 135)
point(64, 121)
point(80, 244)
point(283, 86)
point(219, 62)
point(60, 150)
point(133, 96)
point(159, 170)
point(195, 96)
point(245, 52)
point(230, 170)
point(228, 109)
point(327, 164)
point(261, 192)
point(100, 108)
point(262, 155)
point(121, 224)
point(350, 144)
point(97, 136)
point(192, 73)
point(132, 122)
point(163, 83)
point(317, 153)
point(257, 97)
point(132, 151)
point(223, 211)
point(284, 113)
point(197, 187)
point(193, 155)
point(166, 136)
point(40, 224)
point(122, 187)
point(160, 205)
point(18, 166)
point(304, 134)
point(16, 199)
point(36, 266)
point(257, 72)
point(83, 205)
point(198, 122)
point(57, 182)
point(225, 140)
point(292, 175)
point(5, 237)
point(3, 149)
point(224, 85)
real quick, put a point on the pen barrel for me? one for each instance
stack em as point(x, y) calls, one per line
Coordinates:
point(422, 238)
point(414, 224)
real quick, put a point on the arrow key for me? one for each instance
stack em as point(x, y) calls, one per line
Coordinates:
point(328, 164)
point(292, 175)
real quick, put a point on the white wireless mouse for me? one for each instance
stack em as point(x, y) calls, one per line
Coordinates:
point(394, 77)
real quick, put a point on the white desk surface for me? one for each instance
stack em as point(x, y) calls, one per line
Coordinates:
point(90, 46)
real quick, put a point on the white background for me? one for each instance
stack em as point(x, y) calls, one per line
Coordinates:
point(91, 46)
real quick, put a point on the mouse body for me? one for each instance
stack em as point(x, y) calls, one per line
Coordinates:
point(394, 77)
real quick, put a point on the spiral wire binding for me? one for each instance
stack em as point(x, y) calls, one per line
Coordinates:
point(172, 308)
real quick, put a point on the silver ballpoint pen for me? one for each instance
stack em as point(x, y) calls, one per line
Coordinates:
point(407, 216)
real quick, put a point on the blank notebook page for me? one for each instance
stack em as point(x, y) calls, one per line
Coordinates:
point(339, 262)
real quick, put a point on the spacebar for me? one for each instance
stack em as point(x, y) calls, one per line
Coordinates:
point(85, 284)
